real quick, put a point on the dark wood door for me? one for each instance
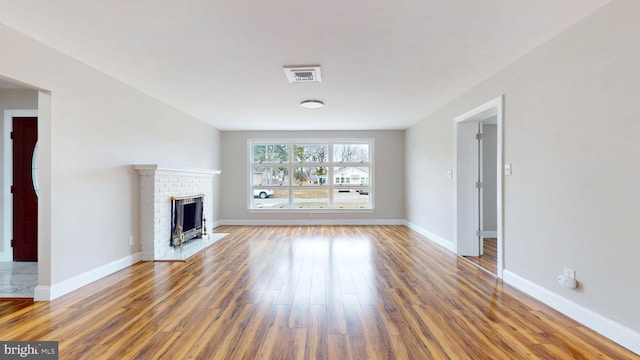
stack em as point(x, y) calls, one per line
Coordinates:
point(25, 199)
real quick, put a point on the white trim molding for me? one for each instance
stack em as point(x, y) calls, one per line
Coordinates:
point(604, 326)
point(280, 222)
point(48, 293)
point(155, 168)
point(477, 114)
point(289, 185)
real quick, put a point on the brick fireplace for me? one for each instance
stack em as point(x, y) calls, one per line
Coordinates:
point(157, 187)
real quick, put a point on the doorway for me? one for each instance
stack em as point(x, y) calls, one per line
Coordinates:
point(479, 186)
point(27, 279)
point(20, 275)
point(25, 189)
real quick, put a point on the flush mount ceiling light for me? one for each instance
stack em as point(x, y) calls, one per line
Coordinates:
point(312, 104)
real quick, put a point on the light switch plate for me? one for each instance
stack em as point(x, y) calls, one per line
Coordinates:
point(507, 169)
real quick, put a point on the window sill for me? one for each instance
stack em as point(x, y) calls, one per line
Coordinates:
point(310, 211)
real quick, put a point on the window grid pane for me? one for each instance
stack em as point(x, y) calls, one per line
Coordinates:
point(278, 200)
point(316, 153)
point(350, 198)
point(310, 175)
point(351, 153)
point(311, 198)
point(270, 176)
point(270, 153)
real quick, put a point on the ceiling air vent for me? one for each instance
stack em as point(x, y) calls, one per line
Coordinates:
point(303, 74)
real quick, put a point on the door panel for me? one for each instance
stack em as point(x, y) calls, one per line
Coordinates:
point(468, 195)
point(25, 199)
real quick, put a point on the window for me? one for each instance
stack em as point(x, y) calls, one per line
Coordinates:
point(310, 174)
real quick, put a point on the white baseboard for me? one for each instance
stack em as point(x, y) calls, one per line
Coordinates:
point(42, 293)
point(47, 293)
point(314, 222)
point(606, 327)
point(215, 224)
point(489, 234)
point(6, 256)
point(447, 244)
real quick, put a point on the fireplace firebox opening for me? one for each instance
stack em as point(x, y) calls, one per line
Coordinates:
point(186, 219)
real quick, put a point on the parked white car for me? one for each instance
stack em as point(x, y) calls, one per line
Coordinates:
point(263, 193)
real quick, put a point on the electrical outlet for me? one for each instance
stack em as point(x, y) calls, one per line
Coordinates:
point(131, 240)
point(567, 282)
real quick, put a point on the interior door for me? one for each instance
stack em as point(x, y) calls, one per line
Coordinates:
point(468, 194)
point(480, 187)
point(25, 199)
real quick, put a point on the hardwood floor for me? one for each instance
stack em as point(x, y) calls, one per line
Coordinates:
point(305, 292)
point(489, 258)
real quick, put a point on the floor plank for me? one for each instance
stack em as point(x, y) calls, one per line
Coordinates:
point(489, 258)
point(305, 292)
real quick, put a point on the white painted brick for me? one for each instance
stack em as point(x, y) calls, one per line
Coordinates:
point(155, 206)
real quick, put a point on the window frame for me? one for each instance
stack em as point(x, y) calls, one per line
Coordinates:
point(329, 185)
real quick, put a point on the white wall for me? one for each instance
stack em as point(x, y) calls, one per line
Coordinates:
point(428, 157)
point(388, 182)
point(571, 132)
point(97, 128)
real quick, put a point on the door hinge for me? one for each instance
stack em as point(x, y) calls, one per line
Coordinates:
point(11, 135)
point(478, 233)
point(479, 184)
point(479, 136)
point(11, 242)
point(12, 189)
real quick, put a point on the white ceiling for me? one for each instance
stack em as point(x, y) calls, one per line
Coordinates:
point(385, 64)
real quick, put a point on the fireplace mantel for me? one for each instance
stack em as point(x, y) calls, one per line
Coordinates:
point(158, 184)
point(154, 168)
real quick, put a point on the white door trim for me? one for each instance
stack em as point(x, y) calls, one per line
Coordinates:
point(490, 108)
